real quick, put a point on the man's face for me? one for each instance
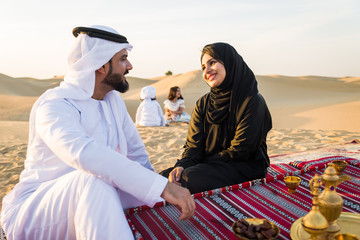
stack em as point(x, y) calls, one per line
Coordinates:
point(119, 67)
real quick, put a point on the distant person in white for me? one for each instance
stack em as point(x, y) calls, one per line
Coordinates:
point(149, 112)
point(85, 161)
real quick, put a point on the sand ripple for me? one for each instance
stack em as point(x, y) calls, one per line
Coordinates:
point(11, 164)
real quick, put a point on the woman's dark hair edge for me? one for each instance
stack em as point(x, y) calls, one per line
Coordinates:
point(209, 49)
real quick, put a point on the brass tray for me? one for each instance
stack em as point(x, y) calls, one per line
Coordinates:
point(349, 223)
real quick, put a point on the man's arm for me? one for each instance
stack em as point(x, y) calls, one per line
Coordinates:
point(57, 123)
point(136, 150)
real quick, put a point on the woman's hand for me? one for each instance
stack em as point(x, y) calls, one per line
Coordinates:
point(175, 175)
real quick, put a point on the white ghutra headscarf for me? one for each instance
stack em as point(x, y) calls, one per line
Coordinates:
point(86, 56)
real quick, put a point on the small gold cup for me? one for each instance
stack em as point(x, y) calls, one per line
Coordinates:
point(292, 183)
point(339, 166)
point(345, 236)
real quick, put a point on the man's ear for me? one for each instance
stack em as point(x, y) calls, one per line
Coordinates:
point(102, 69)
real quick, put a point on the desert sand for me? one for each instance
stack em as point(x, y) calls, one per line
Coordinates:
point(307, 111)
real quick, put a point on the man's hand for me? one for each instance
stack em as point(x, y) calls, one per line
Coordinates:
point(175, 175)
point(181, 198)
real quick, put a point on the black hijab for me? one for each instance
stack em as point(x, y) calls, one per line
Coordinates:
point(228, 101)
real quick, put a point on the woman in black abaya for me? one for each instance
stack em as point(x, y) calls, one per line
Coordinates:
point(226, 141)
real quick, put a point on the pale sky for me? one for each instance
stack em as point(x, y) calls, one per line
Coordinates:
point(295, 38)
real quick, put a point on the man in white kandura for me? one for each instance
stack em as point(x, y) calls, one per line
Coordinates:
point(86, 161)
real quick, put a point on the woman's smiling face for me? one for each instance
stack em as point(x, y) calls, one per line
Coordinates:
point(214, 71)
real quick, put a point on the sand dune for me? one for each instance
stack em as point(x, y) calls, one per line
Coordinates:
point(307, 111)
point(292, 100)
point(26, 86)
point(307, 102)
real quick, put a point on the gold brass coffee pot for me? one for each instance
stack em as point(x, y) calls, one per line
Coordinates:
point(314, 222)
point(330, 202)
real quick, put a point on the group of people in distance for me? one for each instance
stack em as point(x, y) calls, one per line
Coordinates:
point(86, 161)
point(149, 112)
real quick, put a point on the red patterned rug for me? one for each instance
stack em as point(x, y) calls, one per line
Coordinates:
point(268, 198)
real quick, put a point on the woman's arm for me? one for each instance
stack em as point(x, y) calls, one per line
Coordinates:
point(195, 141)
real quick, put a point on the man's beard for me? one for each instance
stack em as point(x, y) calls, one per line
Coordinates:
point(116, 81)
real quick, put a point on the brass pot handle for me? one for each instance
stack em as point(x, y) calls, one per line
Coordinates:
point(311, 183)
point(315, 185)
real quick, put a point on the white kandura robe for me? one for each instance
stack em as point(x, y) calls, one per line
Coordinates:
point(149, 113)
point(80, 172)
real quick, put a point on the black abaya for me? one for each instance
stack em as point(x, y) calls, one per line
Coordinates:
point(226, 141)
